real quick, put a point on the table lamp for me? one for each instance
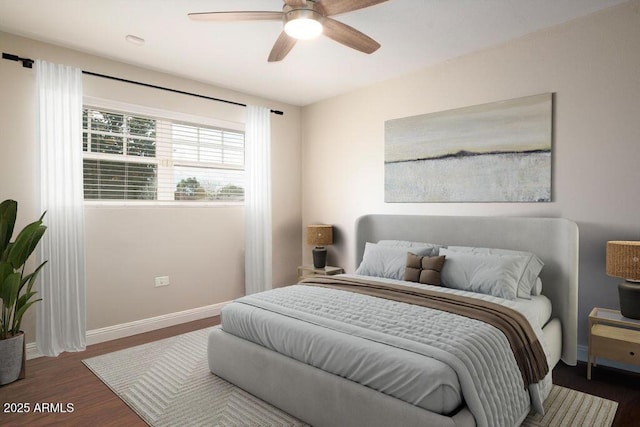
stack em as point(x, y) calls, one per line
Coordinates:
point(319, 235)
point(623, 260)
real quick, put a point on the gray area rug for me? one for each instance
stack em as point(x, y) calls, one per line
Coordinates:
point(168, 383)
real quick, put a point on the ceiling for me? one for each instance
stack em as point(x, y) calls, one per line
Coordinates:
point(413, 33)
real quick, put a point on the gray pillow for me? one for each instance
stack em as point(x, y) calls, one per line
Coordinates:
point(387, 261)
point(491, 274)
point(410, 244)
point(528, 282)
point(537, 289)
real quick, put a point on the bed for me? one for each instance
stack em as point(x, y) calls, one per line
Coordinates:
point(257, 348)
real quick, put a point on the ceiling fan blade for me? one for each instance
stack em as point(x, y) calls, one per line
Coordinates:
point(336, 7)
point(282, 47)
point(236, 16)
point(349, 36)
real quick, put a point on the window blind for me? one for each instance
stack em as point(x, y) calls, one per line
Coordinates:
point(133, 157)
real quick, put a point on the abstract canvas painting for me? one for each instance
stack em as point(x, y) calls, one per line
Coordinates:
point(496, 152)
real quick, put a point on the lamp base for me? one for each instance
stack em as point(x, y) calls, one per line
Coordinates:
point(319, 257)
point(629, 293)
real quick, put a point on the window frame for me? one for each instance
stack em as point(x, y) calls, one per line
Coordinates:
point(162, 160)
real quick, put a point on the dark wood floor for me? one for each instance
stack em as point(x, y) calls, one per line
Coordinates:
point(620, 386)
point(65, 380)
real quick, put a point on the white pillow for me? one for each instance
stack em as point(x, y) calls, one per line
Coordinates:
point(491, 274)
point(527, 283)
point(409, 244)
point(387, 261)
point(537, 289)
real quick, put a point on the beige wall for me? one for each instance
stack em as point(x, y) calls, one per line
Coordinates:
point(201, 249)
point(592, 65)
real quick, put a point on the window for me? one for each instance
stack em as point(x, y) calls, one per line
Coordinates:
point(193, 148)
point(132, 157)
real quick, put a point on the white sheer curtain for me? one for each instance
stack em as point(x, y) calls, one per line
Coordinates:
point(61, 322)
point(257, 204)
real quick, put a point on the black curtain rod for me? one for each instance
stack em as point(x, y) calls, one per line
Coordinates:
point(28, 63)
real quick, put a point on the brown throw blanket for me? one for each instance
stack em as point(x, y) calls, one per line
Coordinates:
point(526, 348)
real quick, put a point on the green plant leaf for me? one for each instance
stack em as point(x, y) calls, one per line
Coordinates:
point(31, 278)
point(8, 212)
point(9, 290)
point(6, 292)
point(5, 270)
point(24, 298)
point(4, 256)
point(13, 256)
point(25, 243)
point(17, 318)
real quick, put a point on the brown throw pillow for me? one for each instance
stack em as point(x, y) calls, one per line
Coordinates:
point(424, 269)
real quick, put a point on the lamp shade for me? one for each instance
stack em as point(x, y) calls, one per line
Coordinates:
point(623, 259)
point(319, 235)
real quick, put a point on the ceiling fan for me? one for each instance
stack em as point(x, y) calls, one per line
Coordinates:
point(305, 19)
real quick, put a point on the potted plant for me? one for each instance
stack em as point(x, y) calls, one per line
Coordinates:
point(15, 287)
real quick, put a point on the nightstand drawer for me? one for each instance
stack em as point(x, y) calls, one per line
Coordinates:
point(615, 343)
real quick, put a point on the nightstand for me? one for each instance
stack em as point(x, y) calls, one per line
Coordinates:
point(613, 337)
point(306, 271)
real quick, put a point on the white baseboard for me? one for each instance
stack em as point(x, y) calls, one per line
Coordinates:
point(109, 333)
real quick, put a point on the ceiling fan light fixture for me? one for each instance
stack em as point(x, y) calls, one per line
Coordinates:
point(303, 28)
point(303, 24)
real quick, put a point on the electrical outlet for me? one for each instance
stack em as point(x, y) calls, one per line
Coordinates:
point(162, 281)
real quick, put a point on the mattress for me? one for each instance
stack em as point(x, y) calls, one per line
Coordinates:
point(422, 381)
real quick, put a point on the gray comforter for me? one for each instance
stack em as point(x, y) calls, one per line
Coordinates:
point(478, 353)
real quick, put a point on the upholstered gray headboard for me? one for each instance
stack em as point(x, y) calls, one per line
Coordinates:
point(554, 240)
